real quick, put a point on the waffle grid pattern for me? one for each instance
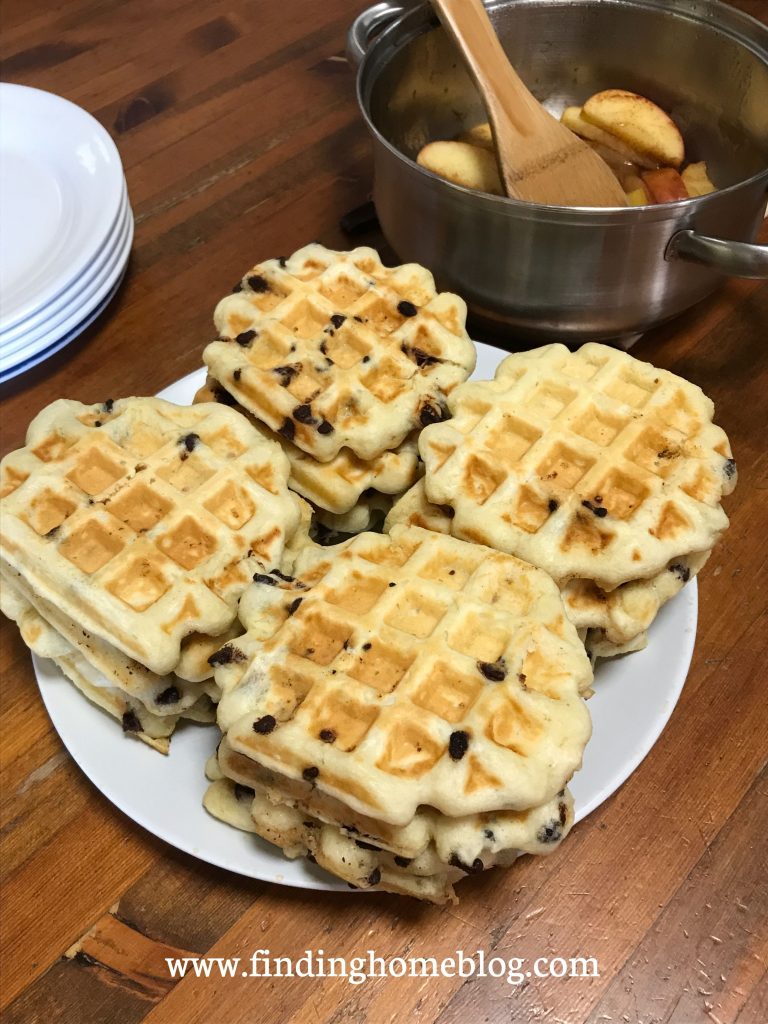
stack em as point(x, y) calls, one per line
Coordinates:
point(144, 521)
point(587, 464)
point(400, 644)
point(334, 350)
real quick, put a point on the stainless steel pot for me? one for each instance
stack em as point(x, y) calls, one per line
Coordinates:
point(548, 272)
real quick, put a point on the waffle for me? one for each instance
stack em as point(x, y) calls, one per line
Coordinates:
point(410, 669)
point(613, 619)
point(43, 640)
point(143, 521)
point(133, 686)
point(362, 865)
point(368, 514)
point(459, 840)
point(588, 464)
point(335, 486)
point(333, 350)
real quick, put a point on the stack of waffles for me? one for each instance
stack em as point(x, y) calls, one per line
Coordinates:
point(599, 469)
point(407, 709)
point(129, 530)
point(342, 361)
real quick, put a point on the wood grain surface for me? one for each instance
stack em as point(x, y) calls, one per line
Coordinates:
point(241, 139)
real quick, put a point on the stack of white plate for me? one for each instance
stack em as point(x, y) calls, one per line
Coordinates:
point(65, 221)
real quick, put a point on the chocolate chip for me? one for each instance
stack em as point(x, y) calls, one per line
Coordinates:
point(551, 833)
point(310, 773)
point(288, 430)
point(303, 414)
point(259, 577)
point(222, 396)
point(227, 655)
point(457, 744)
point(237, 288)
point(366, 646)
point(283, 576)
point(337, 319)
point(601, 513)
point(366, 359)
point(489, 835)
point(496, 671)
point(131, 722)
point(471, 869)
point(563, 813)
point(419, 356)
point(97, 423)
point(190, 441)
point(244, 792)
point(245, 337)
point(682, 571)
point(264, 725)
point(359, 319)
point(286, 374)
point(237, 374)
point(294, 605)
point(392, 584)
point(406, 308)
point(402, 862)
point(169, 696)
point(324, 347)
point(257, 283)
point(325, 427)
point(729, 468)
point(367, 846)
point(552, 505)
point(282, 261)
point(375, 877)
point(431, 414)
point(108, 405)
point(327, 735)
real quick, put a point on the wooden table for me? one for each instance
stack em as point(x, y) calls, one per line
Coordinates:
point(241, 140)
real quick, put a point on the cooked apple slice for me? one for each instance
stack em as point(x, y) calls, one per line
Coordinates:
point(480, 135)
point(572, 118)
point(638, 122)
point(637, 193)
point(697, 180)
point(665, 185)
point(462, 164)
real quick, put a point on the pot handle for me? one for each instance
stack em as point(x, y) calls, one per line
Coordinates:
point(736, 259)
point(366, 25)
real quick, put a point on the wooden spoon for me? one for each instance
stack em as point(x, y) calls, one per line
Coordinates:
point(540, 159)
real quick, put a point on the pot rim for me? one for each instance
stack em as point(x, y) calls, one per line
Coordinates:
point(718, 20)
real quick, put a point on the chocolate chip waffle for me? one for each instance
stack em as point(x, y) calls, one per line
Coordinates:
point(461, 840)
point(338, 485)
point(143, 521)
point(411, 669)
point(588, 464)
point(429, 875)
point(613, 622)
point(41, 638)
point(333, 350)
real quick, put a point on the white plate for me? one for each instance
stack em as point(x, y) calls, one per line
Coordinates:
point(63, 341)
point(78, 314)
point(61, 185)
point(634, 698)
point(16, 336)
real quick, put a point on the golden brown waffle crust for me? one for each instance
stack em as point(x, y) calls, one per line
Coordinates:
point(589, 464)
point(446, 674)
point(335, 486)
point(144, 521)
point(614, 618)
point(333, 350)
